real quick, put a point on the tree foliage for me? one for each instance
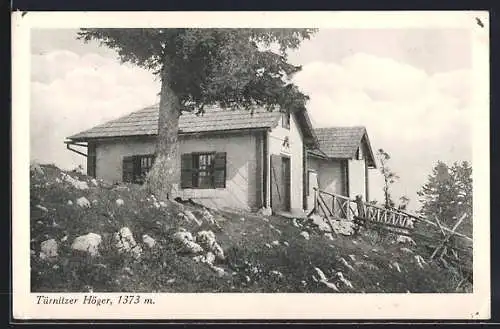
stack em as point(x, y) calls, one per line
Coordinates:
point(389, 177)
point(448, 194)
point(230, 67)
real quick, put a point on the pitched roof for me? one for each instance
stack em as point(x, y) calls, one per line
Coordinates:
point(145, 122)
point(343, 142)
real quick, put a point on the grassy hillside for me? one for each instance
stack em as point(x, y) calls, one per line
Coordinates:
point(261, 254)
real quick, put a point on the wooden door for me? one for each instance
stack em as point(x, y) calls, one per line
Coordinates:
point(280, 183)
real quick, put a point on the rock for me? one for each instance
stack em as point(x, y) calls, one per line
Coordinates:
point(149, 241)
point(58, 180)
point(36, 169)
point(70, 203)
point(42, 208)
point(186, 242)
point(286, 243)
point(48, 249)
point(119, 202)
point(207, 240)
point(242, 219)
point(94, 201)
point(265, 211)
point(420, 261)
point(94, 182)
point(64, 238)
point(218, 270)
point(329, 236)
point(79, 185)
point(275, 243)
point(320, 222)
point(346, 264)
point(162, 204)
point(295, 223)
point(396, 266)
point(268, 245)
point(277, 273)
point(192, 217)
point(207, 217)
point(343, 227)
point(352, 257)
point(322, 279)
point(346, 282)
point(83, 202)
point(404, 249)
point(210, 257)
point(89, 243)
point(406, 240)
point(305, 235)
point(125, 242)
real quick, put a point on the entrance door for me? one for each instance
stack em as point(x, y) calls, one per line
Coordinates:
point(280, 183)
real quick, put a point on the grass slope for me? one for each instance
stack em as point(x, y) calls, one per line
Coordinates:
point(263, 254)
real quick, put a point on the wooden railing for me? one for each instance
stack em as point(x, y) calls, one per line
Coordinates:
point(334, 206)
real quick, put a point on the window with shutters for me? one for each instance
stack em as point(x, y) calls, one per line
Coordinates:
point(136, 167)
point(203, 170)
point(285, 119)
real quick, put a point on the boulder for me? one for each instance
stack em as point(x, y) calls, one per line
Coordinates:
point(119, 202)
point(206, 239)
point(186, 242)
point(42, 208)
point(192, 217)
point(94, 182)
point(79, 185)
point(125, 242)
point(89, 243)
point(48, 249)
point(346, 282)
point(208, 217)
point(320, 222)
point(70, 203)
point(265, 211)
point(405, 240)
point(149, 241)
point(305, 235)
point(83, 202)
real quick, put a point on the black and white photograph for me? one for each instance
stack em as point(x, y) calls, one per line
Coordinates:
point(345, 156)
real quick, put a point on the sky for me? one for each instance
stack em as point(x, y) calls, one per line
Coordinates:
point(410, 88)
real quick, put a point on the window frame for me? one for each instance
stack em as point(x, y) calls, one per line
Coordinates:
point(211, 167)
point(209, 170)
point(141, 165)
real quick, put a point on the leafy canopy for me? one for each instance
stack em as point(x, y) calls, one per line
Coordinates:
point(228, 66)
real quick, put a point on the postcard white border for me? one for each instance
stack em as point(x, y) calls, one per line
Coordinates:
point(255, 306)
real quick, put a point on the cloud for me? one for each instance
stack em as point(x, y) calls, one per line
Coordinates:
point(416, 117)
point(72, 92)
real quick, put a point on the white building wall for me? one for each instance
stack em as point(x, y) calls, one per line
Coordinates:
point(241, 166)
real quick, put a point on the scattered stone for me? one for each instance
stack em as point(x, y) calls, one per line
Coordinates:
point(55, 267)
point(320, 222)
point(208, 217)
point(39, 222)
point(344, 280)
point(305, 235)
point(32, 252)
point(79, 185)
point(265, 211)
point(94, 201)
point(170, 281)
point(186, 241)
point(406, 250)
point(242, 219)
point(420, 261)
point(406, 240)
point(42, 208)
point(275, 243)
point(94, 182)
point(268, 245)
point(125, 242)
point(192, 217)
point(48, 249)
point(128, 270)
point(207, 240)
point(83, 202)
point(286, 243)
point(346, 264)
point(396, 265)
point(352, 257)
point(265, 219)
point(119, 202)
point(295, 223)
point(64, 238)
point(35, 168)
point(322, 279)
point(218, 270)
point(149, 241)
point(58, 180)
point(89, 243)
point(329, 236)
point(70, 203)
point(277, 273)
point(162, 204)
point(343, 227)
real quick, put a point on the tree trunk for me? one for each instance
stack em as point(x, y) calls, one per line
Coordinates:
point(164, 177)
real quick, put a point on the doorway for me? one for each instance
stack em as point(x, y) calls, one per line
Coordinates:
point(280, 183)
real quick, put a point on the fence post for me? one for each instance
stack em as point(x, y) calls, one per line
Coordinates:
point(361, 208)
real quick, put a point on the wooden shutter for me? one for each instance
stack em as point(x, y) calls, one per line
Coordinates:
point(220, 170)
point(128, 169)
point(91, 159)
point(187, 170)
